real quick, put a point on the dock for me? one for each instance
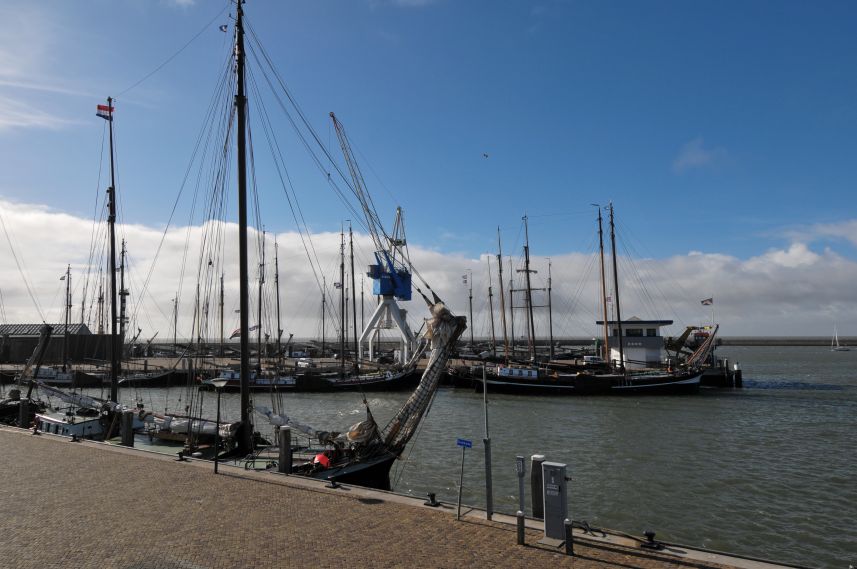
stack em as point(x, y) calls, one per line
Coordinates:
point(88, 504)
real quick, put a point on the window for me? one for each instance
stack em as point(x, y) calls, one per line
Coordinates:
point(651, 332)
point(634, 332)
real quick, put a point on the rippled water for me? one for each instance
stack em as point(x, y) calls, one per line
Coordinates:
point(767, 471)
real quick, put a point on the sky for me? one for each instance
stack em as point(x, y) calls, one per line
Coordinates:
point(723, 133)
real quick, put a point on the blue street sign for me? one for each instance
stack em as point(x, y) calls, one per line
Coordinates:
point(464, 443)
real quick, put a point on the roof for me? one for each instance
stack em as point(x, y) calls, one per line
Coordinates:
point(634, 321)
point(33, 329)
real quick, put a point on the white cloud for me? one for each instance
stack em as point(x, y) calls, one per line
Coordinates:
point(694, 154)
point(843, 230)
point(789, 291)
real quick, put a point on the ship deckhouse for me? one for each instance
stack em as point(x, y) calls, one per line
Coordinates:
point(641, 339)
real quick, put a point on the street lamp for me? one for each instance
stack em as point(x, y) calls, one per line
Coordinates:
point(218, 385)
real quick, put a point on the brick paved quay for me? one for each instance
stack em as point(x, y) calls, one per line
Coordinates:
point(80, 505)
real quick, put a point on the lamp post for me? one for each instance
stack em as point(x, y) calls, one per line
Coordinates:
point(218, 385)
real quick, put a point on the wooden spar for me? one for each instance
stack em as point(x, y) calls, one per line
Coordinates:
point(616, 291)
point(512, 305)
point(353, 292)
point(222, 339)
point(111, 223)
point(531, 328)
point(323, 313)
point(245, 437)
point(606, 353)
point(470, 301)
point(123, 295)
point(550, 313)
point(342, 304)
point(259, 310)
point(277, 286)
point(67, 317)
point(491, 312)
point(502, 297)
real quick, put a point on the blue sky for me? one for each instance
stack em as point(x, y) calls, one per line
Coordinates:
point(726, 128)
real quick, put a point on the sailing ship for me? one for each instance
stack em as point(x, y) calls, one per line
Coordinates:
point(834, 343)
point(583, 379)
point(365, 453)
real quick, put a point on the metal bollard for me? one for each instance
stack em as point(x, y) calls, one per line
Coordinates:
point(520, 516)
point(127, 429)
point(285, 460)
point(569, 538)
point(536, 485)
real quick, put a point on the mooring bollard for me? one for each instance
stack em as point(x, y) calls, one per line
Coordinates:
point(285, 461)
point(536, 485)
point(569, 538)
point(24, 414)
point(520, 516)
point(127, 429)
point(521, 471)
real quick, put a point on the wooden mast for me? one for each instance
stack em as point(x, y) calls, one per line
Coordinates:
point(491, 312)
point(277, 286)
point(342, 304)
point(353, 294)
point(502, 297)
point(111, 222)
point(550, 313)
point(67, 317)
point(259, 311)
point(245, 438)
point(616, 291)
point(531, 330)
point(606, 351)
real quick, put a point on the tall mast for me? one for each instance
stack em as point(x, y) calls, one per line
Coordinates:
point(245, 439)
point(512, 305)
point(323, 313)
point(502, 297)
point(550, 312)
point(616, 290)
point(111, 222)
point(123, 295)
point(353, 290)
point(531, 331)
point(342, 305)
point(176, 323)
point(222, 339)
point(277, 283)
point(491, 312)
point(606, 354)
point(99, 313)
point(470, 304)
point(67, 317)
point(259, 310)
point(362, 306)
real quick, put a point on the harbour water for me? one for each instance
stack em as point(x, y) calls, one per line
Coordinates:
point(767, 471)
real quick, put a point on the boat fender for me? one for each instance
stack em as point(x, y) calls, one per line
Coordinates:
point(322, 459)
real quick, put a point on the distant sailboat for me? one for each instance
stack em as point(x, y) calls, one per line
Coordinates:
point(834, 343)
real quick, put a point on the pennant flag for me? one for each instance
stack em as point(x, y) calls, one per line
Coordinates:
point(224, 27)
point(708, 301)
point(104, 112)
point(62, 278)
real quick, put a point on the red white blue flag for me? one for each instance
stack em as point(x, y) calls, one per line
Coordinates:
point(707, 301)
point(105, 112)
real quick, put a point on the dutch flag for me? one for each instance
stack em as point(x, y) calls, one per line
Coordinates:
point(105, 112)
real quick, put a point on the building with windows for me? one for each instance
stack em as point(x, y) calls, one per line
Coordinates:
point(642, 342)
